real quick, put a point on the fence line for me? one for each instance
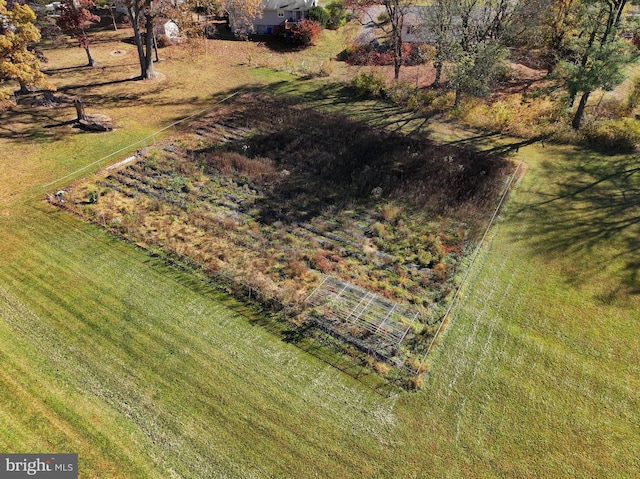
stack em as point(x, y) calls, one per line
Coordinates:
point(151, 137)
point(471, 263)
point(219, 278)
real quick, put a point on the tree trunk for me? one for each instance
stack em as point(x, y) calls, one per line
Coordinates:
point(133, 17)
point(24, 89)
point(438, 67)
point(456, 102)
point(155, 48)
point(397, 52)
point(577, 119)
point(397, 61)
point(92, 62)
point(395, 12)
point(113, 18)
point(396, 68)
point(79, 104)
point(551, 67)
point(150, 73)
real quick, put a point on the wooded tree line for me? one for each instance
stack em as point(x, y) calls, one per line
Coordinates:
point(578, 41)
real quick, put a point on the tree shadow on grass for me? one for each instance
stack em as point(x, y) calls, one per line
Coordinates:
point(342, 98)
point(311, 89)
point(37, 125)
point(590, 211)
point(343, 159)
point(327, 160)
point(62, 123)
point(52, 71)
point(68, 88)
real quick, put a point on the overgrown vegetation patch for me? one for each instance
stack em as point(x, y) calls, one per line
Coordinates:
point(276, 196)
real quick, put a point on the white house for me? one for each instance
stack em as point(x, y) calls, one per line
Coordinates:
point(276, 12)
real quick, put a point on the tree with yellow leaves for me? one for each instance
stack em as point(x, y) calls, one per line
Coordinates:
point(18, 61)
point(242, 13)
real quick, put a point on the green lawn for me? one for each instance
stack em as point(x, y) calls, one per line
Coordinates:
point(144, 372)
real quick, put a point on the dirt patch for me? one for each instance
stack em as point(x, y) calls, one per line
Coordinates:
point(521, 79)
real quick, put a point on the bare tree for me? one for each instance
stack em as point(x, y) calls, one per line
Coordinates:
point(466, 35)
point(437, 29)
point(391, 22)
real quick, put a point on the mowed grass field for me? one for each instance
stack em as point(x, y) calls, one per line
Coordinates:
point(144, 372)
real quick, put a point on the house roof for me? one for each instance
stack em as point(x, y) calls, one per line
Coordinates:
point(290, 5)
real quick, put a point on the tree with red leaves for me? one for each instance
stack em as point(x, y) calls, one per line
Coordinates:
point(305, 32)
point(75, 18)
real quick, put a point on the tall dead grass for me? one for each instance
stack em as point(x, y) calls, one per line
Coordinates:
point(514, 114)
point(333, 156)
point(234, 162)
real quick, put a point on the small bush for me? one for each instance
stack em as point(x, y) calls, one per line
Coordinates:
point(295, 268)
point(306, 32)
point(634, 97)
point(390, 212)
point(337, 12)
point(164, 41)
point(327, 68)
point(433, 245)
point(502, 115)
point(416, 382)
point(379, 230)
point(155, 205)
point(443, 101)
point(400, 93)
point(367, 54)
point(421, 99)
point(381, 368)
point(612, 136)
point(92, 196)
point(231, 162)
point(318, 14)
point(406, 94)
point(424, 258)
point(368, 85)
point(321, 263)
point(7, 104)
point(515, 114)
